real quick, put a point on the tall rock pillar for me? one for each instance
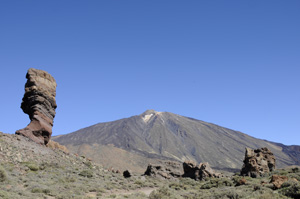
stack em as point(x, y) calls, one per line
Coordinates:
point(40, 104)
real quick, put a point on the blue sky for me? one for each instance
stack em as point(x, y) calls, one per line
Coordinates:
point(232, 63)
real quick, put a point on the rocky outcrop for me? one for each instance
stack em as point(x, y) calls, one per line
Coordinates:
point(258, 162)
point(39, 103)
point(165, 170)
point(278, 180)
point(200, 172)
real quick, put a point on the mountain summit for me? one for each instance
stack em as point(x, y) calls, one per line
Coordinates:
point(135, 141)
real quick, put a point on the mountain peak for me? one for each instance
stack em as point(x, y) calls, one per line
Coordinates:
point(148, 114)
point(150, 111)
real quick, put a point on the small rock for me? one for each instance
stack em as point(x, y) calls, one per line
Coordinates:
point(127, 174)
point(241, 182)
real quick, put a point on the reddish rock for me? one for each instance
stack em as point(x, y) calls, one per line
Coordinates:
point(200, 172)
point(277, 180)
point(258, 162)
point(39, 103)
point(242, 181)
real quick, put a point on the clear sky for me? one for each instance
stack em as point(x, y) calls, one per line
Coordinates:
point(232, 63)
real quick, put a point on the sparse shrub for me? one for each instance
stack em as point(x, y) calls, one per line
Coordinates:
point(176, 186)
point(3, 176)
point(296, 170)
point(40, 190)
point(257, 187)
point(139, 182)
point(281, 172)
point(86, 173)
point(217, 182)
point(137, 195)
point(88, 164)
point(163, 193)
point(232, 194)
point(4, 194)
point(70, 179)
point(291, 189)
point(32, 166)
point(295, 176)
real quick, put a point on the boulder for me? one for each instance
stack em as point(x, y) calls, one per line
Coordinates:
point(258, 162)
point(127, 174)
point(241, 181)
point(40, 104)
point(200, 172)
point(277, 180)
point(165, 170)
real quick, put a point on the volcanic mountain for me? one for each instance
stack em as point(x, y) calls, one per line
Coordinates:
point(135, 141)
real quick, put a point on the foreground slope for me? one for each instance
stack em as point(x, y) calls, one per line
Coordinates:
point(29, 170)
point(135, 141)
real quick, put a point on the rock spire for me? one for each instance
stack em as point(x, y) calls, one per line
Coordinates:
point(40, 104)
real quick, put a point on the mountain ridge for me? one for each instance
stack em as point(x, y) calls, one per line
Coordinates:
point(156, 135)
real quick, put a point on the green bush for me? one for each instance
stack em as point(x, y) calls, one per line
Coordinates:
point(40, 190)
point(296, 170)
point(86, 173)
point(4, 194)
point(3, 176)
point(217, 182)
point(139, 183)
point(32, 166)
point(163, 193)
point(294, 175)
point(88, 164)
point(291, 189)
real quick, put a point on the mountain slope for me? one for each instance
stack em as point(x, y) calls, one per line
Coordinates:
point(163, 135)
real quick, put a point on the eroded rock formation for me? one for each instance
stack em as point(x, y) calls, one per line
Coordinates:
point(200, 172)
point(165, 170)
point(39, 103)
point(258, 162)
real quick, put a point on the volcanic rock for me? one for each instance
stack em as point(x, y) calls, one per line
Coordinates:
point(277, 180)
point(258, 162)
point(241, 182)
point(200, 172)
point(39, 103)
point(127, 174)
point(165, 170)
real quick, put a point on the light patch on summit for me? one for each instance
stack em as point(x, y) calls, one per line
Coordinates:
point(146, 118)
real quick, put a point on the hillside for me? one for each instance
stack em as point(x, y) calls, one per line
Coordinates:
point(135, 141)
point(30, 170)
